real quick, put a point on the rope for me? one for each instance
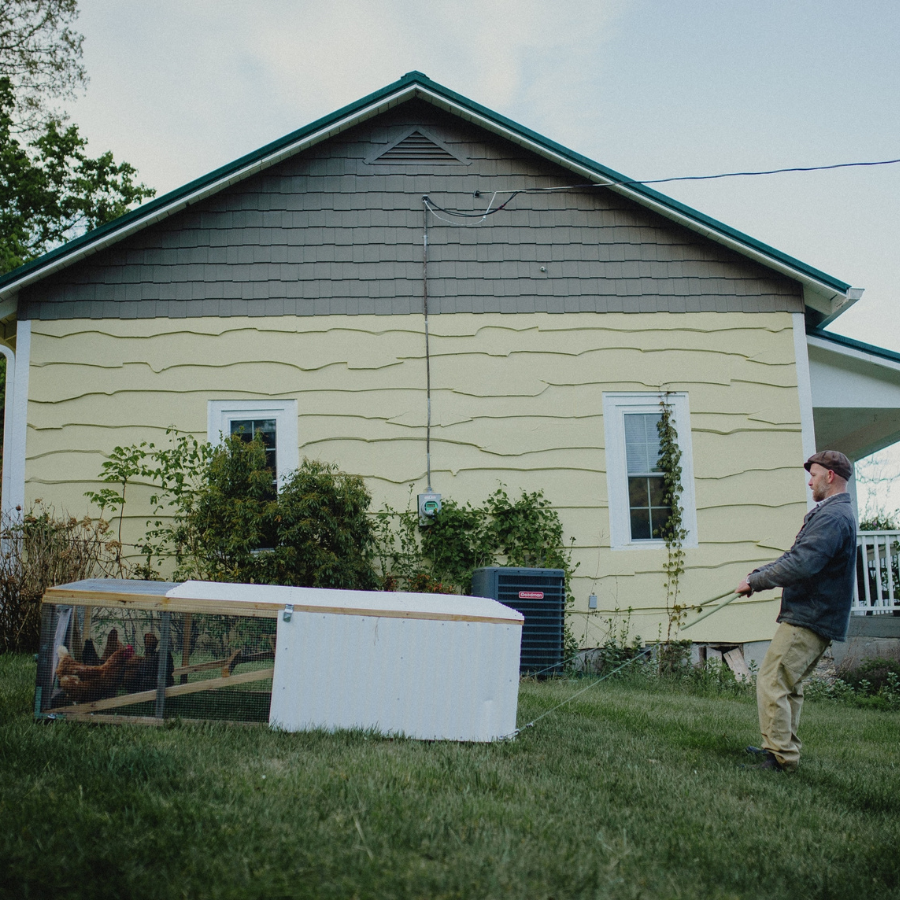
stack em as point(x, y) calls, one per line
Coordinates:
point(725, 598)
point(531, 724)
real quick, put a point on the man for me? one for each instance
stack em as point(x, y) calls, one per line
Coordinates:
point(817, 576)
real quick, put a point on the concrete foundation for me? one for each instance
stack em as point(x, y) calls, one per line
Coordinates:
point(868, 637)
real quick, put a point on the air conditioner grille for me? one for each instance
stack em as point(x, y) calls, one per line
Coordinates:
point(540, 595)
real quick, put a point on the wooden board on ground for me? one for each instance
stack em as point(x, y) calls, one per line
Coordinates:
point(734, 659)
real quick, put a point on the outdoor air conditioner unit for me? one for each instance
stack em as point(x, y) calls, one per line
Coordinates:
point(540, 595)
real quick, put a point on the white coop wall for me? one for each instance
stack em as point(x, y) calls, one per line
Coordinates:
point(434, 667)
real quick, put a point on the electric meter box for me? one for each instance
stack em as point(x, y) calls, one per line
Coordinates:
point(429, 507)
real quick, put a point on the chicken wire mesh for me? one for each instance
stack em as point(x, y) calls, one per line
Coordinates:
point(115, 662)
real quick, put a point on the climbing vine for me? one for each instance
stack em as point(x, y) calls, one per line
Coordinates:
point(673, 532)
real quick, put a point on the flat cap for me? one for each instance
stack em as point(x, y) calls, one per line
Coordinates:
point(831, 459)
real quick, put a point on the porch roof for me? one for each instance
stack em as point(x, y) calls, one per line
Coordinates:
point(855, 394)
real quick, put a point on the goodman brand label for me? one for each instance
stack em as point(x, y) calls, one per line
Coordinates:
point(531, 595)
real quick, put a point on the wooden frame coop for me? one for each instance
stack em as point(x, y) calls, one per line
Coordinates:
point(136, 654)
point(435, 667)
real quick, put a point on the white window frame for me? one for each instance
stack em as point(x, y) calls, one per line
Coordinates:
point(221, 413)
point(615, 407)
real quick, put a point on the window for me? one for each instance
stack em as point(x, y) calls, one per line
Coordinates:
point(637, 508)
point(274, 422)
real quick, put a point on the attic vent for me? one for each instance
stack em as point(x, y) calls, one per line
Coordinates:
point(416, 147)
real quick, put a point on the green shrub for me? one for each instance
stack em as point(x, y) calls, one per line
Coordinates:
point(525, 532)
point(322, 532)
point(871, 675)
point(220, 520)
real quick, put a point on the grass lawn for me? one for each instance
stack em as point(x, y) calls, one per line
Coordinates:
point(629, 791)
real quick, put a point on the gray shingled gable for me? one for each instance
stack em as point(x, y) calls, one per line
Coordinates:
point(326, 233)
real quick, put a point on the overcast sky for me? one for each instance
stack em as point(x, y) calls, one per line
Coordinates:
point(650, 88)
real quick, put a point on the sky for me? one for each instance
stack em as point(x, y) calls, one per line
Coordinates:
point(649, 88)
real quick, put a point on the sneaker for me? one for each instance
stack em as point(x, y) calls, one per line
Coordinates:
point(769, 764)
point(756, 751)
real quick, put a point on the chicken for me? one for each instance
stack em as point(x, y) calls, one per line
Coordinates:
point(84, 684)
point(112, 644)
point(89, 654)
point(141, 672)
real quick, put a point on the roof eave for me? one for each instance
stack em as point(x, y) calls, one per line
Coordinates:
point(827, 295)
point(93, 242)
point(853, 349)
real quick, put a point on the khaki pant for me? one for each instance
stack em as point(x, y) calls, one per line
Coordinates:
point(792, 657)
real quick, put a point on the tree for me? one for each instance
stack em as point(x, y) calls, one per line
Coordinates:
point(875, 479)
point(51, 190)
point(40, 55)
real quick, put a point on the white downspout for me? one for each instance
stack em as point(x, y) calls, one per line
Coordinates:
point(15, 424)
point(10, 393)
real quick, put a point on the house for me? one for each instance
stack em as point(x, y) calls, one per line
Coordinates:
point(288, 291)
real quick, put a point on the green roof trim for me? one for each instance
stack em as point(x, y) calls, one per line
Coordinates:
point(414, 79)
point(852, 344)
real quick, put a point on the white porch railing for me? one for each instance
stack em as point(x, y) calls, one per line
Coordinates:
point(877, 588)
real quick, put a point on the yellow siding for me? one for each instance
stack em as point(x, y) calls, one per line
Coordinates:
point(515, 398)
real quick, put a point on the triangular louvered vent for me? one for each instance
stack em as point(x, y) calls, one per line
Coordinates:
point(416, 147)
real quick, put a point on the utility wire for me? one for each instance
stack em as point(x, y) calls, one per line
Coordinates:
point(492, 210)
point(427, 347)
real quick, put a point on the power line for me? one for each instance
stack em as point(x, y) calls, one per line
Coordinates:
point(492, 210)
point(850, 165)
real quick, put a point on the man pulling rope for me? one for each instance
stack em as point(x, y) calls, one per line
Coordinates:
point(817, 577)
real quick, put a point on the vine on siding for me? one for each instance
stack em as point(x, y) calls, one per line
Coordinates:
point(673, 531)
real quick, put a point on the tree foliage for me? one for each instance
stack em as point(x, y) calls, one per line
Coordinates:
point(41, 56)
point(876, 479)
point(51, 190)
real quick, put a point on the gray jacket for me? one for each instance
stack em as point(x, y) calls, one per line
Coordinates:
point(817, 573)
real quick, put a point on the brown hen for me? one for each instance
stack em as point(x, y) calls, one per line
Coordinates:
point(84, 684)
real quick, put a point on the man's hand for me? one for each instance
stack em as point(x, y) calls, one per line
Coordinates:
point(744, 589)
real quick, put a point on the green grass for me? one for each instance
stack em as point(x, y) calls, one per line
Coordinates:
point(629, 791)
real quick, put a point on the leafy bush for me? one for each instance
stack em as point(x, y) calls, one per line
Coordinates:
point(874, 684)
point(322, 531)
point(525, 532)
point(40, 551)
point(219, 519)
point(871, 675)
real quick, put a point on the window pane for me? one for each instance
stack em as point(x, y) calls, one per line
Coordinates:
point(640, 524)
point(647, 508)
point(641, 442)
point(657, 491)
point(659, 516)
point(637, 492)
